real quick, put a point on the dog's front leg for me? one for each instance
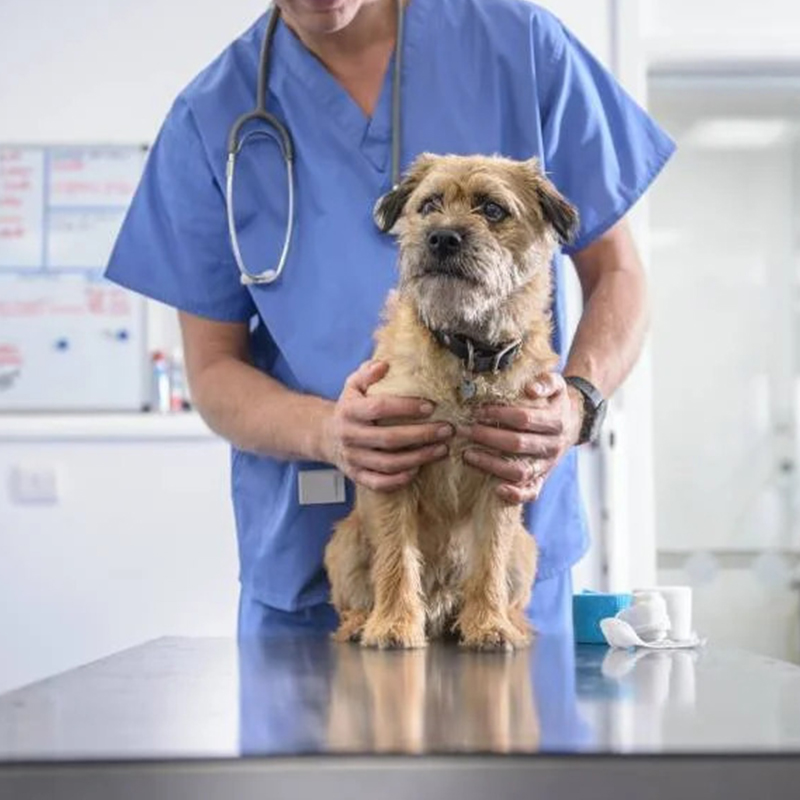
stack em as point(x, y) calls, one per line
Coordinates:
point(484, 621)
point(398, 614)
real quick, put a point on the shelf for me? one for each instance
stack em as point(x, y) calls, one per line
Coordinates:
point(131, 427)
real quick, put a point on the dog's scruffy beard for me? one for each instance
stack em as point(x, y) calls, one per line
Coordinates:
point(479, 293)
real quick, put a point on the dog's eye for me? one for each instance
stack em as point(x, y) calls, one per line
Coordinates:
point(430, 204)
point(494, 212)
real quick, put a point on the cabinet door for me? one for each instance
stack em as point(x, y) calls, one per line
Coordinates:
point(724, 331)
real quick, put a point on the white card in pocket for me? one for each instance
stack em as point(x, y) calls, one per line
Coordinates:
point(320, 486)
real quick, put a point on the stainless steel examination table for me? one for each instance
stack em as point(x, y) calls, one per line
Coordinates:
point(201, 719)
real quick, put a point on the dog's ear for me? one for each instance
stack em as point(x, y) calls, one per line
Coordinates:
point(389, 207)
point(561, 214)
point(556, 209)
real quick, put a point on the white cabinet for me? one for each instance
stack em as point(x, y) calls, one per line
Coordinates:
point(138, 543)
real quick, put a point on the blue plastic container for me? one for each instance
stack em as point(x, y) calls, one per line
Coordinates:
point(588, 608)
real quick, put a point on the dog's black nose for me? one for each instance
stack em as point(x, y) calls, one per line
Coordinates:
point(444, 242)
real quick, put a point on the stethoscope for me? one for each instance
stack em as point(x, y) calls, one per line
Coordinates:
point(280, 133)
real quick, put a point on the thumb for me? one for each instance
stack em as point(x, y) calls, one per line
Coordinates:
point(368, 373)
point(545, 385)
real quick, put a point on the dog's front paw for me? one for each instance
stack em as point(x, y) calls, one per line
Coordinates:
point(351, 626)
point(492, 634)
point(387, 633)
point(522, 624)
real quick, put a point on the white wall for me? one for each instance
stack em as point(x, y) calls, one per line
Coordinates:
point(722, 18)
point(109, 71)
point(105, 72)
point(708, 30)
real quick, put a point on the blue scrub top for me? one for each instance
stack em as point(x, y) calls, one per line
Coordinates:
point(479, 76)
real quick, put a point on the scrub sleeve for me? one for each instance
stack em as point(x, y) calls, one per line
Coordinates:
point(173, 245)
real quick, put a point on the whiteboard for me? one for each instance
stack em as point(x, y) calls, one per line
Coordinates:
point(69, 339)
point(62, 207)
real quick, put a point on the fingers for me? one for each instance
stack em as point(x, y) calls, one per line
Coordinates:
point(545, 420)
point(385, 472)
point(514, 442)
point(388, 407)
point(383, 483)
point(518, 471)
point(522, 478)
point(396, 437)
point(393, 463)
point(541, 415)
point(515, 495)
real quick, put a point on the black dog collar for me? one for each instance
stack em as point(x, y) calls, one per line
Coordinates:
point(479, 357)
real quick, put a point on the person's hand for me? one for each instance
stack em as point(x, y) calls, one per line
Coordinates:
point(366, 440)
point(535, 436)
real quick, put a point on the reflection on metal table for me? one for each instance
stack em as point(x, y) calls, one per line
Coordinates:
point(287, 718)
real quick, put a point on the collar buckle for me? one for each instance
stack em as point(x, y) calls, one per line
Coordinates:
point(505, 356)
point(479, 357)
point(470, 357)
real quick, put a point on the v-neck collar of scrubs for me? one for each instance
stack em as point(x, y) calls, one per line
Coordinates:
point(371, 135)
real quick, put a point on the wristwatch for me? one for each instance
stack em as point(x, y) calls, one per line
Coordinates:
point(594, 408)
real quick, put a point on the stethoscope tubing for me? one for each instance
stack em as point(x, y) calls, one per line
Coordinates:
point(286, 145)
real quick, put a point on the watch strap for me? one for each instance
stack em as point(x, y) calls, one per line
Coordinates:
point(593, 404)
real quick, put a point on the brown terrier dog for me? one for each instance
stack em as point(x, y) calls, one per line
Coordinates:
point(468, 325)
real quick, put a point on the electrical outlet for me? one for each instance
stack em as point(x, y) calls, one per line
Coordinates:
point(34, 484)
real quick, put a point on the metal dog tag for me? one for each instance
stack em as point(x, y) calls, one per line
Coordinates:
point(467, 390)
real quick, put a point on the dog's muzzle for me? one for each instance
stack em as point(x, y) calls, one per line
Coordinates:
point(444, 242)
point(446, 254)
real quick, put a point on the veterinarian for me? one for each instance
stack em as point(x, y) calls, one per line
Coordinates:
point(279, 365)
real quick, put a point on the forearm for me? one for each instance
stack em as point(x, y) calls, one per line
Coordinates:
point(258, 414)
point(614, 322)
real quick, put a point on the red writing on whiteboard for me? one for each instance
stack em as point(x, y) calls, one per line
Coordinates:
point(68, 165)
point(107, 302)
point(95, 302)
point(10, 355)
point(17, 171)
point(10, 155)
point(23, 308)
point(12, 233)
point(10, 202)
point(94, 188)
point(20, 186)
point(75, 187)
